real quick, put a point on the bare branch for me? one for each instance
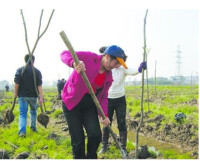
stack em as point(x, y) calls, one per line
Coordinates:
point(47, 24)
point(13, 145)
point(43, 32)
point(26, 37)
point(142, 91)
point(40, 23)
point(39, 36)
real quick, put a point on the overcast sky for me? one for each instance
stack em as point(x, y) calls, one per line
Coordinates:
point(90, 24)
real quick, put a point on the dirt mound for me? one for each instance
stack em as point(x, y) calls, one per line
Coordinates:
point(4, 154)
point(158, 118)
point(1, 119)
point(143, 153)
point(22, 155)
point(54, 136)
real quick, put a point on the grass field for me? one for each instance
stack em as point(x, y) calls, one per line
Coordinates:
point(165, 100)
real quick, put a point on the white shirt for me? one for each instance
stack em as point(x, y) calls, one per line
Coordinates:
point(119, 75)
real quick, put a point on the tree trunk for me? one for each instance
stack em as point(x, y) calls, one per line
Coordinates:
point(142, 91)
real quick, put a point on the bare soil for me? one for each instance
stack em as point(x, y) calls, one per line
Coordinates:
point(183, 135)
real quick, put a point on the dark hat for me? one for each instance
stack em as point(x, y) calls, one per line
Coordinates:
point(116, 51)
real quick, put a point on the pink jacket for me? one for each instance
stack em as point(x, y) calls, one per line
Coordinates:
point(75, 87)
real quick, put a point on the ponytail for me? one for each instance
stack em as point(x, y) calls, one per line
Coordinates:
point(102, 49)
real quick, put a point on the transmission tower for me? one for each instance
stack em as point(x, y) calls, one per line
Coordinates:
point(178, 63)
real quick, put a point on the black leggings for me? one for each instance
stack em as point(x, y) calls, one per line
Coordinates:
point(84, 115)
point(118, 105)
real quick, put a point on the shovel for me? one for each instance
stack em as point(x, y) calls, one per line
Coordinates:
point(9, 116)
point(43, 118)
point(85, 78)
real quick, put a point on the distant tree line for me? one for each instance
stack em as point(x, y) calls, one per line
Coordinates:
point(151, 81)
point(160, 81)
point(11, 85)
point(166, 81)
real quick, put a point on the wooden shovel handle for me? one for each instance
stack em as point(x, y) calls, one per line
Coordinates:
point(13, 104)
point(41, 109)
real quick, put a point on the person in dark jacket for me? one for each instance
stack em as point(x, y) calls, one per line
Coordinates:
point(60, 86)
point(25, 90)
point(7, 88)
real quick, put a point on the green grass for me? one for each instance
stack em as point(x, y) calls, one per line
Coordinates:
point(169, 101)
point(57, 113)
point(170, 154)
point(36, 144)
point(176, 99)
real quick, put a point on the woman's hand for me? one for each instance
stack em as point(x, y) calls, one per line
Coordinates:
point(105, 121)
point(80, 67)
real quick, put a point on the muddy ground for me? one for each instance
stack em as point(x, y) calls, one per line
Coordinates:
point(182, 135)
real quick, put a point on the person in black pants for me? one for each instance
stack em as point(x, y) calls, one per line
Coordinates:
point(78, 106)
point(7, 88)
point(85, 108)
point(60, 86)
point(117, 103)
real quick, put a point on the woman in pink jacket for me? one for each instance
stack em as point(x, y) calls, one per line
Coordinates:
point(78, 106)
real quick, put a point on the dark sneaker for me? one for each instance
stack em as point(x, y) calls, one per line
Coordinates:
point(124, 152)
point(59, 97)
point(33, 129)
point(103, 150)
point(22, 135)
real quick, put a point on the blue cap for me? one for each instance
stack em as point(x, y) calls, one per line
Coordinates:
point(118, 52)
